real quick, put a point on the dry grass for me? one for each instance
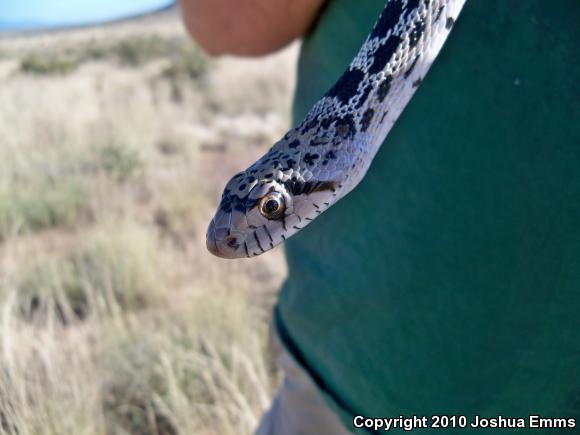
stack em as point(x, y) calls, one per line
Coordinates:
point(113, 317)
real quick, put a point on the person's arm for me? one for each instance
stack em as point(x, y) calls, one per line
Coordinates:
point(247, 27)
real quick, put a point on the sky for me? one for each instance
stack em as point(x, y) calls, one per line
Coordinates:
point(34, 14)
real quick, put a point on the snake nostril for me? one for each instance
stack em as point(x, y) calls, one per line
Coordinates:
point(232, 242)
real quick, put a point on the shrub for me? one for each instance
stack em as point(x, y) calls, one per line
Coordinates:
point(119, 161)
point(40, 205)
point(132, 51)
point(49, 63)
point(115, 268)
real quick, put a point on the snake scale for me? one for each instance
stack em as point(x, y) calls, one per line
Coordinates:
point(322, 159)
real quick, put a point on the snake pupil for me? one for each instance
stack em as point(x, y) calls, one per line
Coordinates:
point(271, 206)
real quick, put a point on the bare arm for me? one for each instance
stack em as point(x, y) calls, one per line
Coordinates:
point(248, 27)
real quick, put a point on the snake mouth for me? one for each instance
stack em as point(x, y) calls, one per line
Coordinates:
point(212, 246)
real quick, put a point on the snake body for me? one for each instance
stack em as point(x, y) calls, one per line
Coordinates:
point(322, 159)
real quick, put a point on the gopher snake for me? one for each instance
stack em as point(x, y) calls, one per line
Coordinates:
point(322, 159)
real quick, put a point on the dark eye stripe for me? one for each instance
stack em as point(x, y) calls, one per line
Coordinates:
point(296, 187)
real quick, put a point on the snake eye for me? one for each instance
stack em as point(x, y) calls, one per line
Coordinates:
point(272, 205)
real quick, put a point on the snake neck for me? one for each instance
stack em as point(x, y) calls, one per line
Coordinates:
point(356, 114)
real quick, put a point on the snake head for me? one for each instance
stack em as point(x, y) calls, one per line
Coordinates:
point(256, 213)
point(250, 217)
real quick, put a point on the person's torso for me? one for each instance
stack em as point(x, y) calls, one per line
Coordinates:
point(448, 281)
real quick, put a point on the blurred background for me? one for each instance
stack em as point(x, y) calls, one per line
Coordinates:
point(116, 138)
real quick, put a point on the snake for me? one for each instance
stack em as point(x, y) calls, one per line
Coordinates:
point(324, 157)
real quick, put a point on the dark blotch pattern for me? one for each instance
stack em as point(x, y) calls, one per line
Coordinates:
point(384, 53)
point(347, 86)
point(412, 4)
point(326, 122)
point(330, 155)
point(384, 88)
point(364, 96)
point(388, 19)
point(290, 164)
point(345, 127)
point(310, 159)
point(449, 23)
point(310, 125)
point(231, 202)
point(416, 33)
point(366, 119)
point(294, 144)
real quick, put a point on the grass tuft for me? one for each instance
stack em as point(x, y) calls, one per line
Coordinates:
point(41, 205)
point(115, 268)
point(120, 162)
point(114, 318)
point(130, 51)
point(41, 63)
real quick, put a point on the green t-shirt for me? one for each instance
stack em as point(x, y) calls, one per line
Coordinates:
point(448, 282)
